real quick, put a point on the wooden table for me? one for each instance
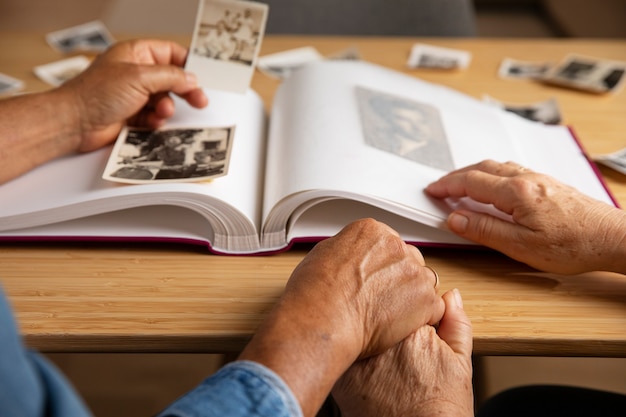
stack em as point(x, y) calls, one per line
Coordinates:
point(166, 298)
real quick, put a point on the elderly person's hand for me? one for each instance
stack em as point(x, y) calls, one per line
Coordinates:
point(354, 295)
point(555, 227)
point(129, 82)
point(427, 374)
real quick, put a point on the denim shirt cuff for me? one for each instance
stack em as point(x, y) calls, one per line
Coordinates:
point(239, 389)
point(275, 381)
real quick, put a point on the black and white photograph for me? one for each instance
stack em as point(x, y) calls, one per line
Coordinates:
point(587, 73)
point(512, 68)
point(9, 84)
point(226, 43)
point(436, 57)
point(58, 72)
point(170, 155)
point(88, 37)
point(280, 65)
point(546, 111)
point(615, 160)
point(405, 128)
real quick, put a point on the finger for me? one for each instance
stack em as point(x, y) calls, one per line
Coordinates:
point(496, 169)
point(485, 229)
point(148, 51)
point(430, 280)
point(455, 327)
point(504, 193)
point(163, 78)
point(166, 52)
point(196, 98)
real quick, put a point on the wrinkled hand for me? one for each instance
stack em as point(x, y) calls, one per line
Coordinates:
point(370, 282)
point(555, 227)
point(131, 80)
point(427, 374)
point(354, 295)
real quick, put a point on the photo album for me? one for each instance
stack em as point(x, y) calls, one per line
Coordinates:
point(345, 139)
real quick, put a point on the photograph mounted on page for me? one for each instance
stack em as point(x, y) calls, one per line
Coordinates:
point(170, 155)
point(405, 128)
point(226, 43)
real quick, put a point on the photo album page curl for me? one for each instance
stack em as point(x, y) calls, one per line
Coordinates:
point(345, 140)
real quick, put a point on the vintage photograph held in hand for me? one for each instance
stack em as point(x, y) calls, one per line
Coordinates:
point(587, 73)
point(436, 57)
point(512, 68)
point(91, 36)
point(406, 128)
point(58, 72)
point(170, 155)
point(226, 43)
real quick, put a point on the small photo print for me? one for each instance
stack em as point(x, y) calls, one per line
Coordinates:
point(348, 54)
point(408, 129)
point(546, 111)
point(226, 43)
point(58, 72)
point(436, 57)
point(170, 155)
point(88, 37)
point(9, 84)
point(615, 160)
point(512, 68)
point(281, 64)
point(587, 73)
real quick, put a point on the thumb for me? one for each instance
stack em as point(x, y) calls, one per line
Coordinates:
point(455, 327)
point(164, 78)
point(481, 228)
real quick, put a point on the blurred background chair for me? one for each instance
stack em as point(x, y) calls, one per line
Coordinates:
point(327, 17)
point(372, 17)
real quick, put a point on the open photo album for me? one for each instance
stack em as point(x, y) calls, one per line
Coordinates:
point(345, 140)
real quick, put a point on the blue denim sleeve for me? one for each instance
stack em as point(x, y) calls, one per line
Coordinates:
point(30, 385)
point(239, 389)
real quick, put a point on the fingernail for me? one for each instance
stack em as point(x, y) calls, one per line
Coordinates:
point(458, 222)
point(191, 78)
point(457, 298)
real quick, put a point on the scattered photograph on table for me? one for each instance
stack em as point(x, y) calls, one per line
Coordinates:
point(436, 57)
point(281, 64)
point(615, 160)
point(9, 84)
point(403, 127)
point(348, 54)
point(587, 73)
point(226, 43)
point(170, 155)
point(547, 111)
point(58, 72)
point(511, 68)
point(91, 36)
